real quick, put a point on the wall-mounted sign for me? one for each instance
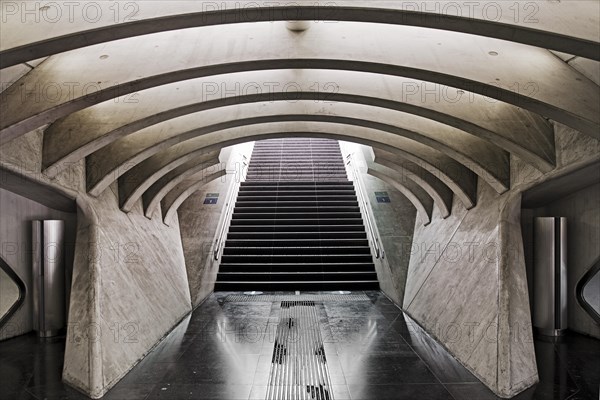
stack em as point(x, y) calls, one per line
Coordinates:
point(382, 197)
point(211, 198)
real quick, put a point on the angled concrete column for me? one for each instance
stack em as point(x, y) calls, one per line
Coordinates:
point(467, 287)
point(129, 290)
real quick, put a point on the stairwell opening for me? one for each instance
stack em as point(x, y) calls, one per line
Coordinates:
point(296, 224)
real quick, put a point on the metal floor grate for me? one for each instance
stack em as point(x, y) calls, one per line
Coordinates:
point(235, 298)
point(299, 366)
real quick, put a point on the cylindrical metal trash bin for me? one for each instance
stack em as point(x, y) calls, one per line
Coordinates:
point(550, 276)
point(48, 277)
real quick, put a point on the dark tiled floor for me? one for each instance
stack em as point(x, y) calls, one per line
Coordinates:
point(224, 350)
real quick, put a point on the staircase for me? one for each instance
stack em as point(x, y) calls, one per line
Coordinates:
point(297, 223)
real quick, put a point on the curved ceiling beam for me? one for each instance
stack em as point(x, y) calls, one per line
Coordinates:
point(485, 159)
point(413, 192)
point(517, 131)
point(403, 169)
point(172, 200)
point(153, 196)
point(523, 23)
point(526, 77)
point(134, 186)
point(107, 164)
point(460, 179)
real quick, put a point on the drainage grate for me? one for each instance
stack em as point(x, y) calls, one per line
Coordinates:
point(235, 298)
point(299, 366)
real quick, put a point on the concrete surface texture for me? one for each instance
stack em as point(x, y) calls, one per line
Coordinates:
point(463, 111)
point(129, 289)
point(455, 287)
point(200, 223)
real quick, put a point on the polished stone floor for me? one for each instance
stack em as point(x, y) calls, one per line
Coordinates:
point(224, 351)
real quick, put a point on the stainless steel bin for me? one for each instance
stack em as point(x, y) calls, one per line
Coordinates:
point(550, 276)
point(48, 277)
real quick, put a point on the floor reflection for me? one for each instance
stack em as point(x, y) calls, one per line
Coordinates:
point(374, 351)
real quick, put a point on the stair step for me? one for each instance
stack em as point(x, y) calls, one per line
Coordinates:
point(299, 221)
point(295, 251)
point(292, 192)
point(297, 215)
point(278, 259)
point(344, 197)
point(283, 183)
point(266, 177)
point(316, 229)
point(296, 285)
point(290, 203)
point(296, 276)
point(287, 267)
point(246, 243)
point(269, 234)
point(252, 210)
point(291, 187)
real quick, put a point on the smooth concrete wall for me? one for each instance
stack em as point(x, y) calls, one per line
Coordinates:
point(470, 293)
point(582, 210)
point(393, 221)
point(200, 223)
point(16, 214)
point(467, 280)
point(129, 290)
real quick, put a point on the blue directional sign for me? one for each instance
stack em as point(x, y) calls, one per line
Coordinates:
point(382, 197)
point(211, 198)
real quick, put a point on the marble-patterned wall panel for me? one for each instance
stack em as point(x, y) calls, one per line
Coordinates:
point(573, 146)
point(429, 244)
point(25, 153)
point(199, 223)
point(395, 222)
point(140, 285)
point(458, 301)
point(79, 344)
point(516, 362)
point(522, 173)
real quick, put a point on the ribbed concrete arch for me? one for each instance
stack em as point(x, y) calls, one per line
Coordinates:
point(153, 196)
point(413, 192)
point(520, 132)
point(136, 181)
point(485, 159)
point(550, 26)
point(139, 178)
point(406, 170)
point(521, 75)
point(400, 138)
point(172, 200)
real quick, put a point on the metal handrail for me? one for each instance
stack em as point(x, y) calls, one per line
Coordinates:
point(230, 205)
point(22, 291)
point(580, 287)
point(366, 207)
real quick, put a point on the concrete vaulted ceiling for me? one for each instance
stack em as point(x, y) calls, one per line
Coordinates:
point(444, 94)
